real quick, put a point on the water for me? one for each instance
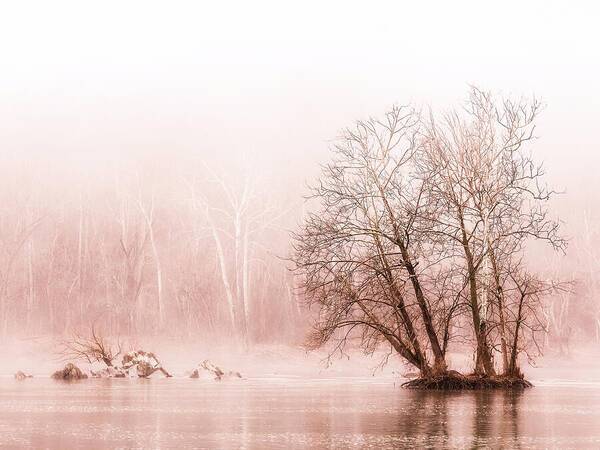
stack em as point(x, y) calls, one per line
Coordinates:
point(291, 413)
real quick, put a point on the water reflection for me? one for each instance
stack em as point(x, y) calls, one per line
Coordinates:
point(495, 417)
point(460, 419)
point(263, 414)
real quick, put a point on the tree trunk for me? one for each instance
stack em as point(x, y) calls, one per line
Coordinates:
point(224, 276)
point(440, 365)
point(500, 299)
point(407, 321)
point(513, 369)
point(159, 287)
point(246, 278)
point(30, 282)
point(483, 359)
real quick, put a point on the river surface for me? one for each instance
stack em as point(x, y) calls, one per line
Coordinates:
point(290, 413)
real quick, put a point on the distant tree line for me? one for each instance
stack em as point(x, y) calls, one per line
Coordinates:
point(142, 246)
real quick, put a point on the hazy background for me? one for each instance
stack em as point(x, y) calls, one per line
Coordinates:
point(276, 80)
point(261, 87)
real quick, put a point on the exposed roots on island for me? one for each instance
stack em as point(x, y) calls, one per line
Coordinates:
point(453, 380)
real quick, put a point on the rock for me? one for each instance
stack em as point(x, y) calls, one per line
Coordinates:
point(208, 370)
point(144, 369)
point(109, 372)
point(211, 368)
point(70, 372)
point(143, 363)
point(410, 375)
point(134, 364)
point(20, 376)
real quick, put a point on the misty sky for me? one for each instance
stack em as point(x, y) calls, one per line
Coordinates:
point(272, 82)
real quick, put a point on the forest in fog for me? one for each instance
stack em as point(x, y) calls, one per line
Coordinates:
point(152, 178)
point(143, 245)
point(183, 244)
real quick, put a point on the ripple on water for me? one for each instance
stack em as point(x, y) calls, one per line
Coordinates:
point(292, 413)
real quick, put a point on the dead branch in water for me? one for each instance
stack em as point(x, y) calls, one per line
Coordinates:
point(94, 348)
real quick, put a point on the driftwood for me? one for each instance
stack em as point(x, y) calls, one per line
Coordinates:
point(92, 349)
point(109, 372)
point(97, 349)
point(144, 363)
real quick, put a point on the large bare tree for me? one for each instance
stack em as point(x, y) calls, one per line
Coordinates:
point(491, 200)
point(362, 256)
point(423, 223)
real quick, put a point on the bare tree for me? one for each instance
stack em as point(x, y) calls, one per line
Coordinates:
point(117, 239)
point(362, 257)
point(422, 224)
point(93, 348)
point(148, 215)
point(234, 221)
point(491, 199)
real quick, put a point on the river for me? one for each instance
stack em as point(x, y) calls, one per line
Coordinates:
point(265, 413)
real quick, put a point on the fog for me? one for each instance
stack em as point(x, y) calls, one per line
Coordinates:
point(115, 113)
point(312, 224)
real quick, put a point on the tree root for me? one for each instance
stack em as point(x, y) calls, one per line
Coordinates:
point(452, 381)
